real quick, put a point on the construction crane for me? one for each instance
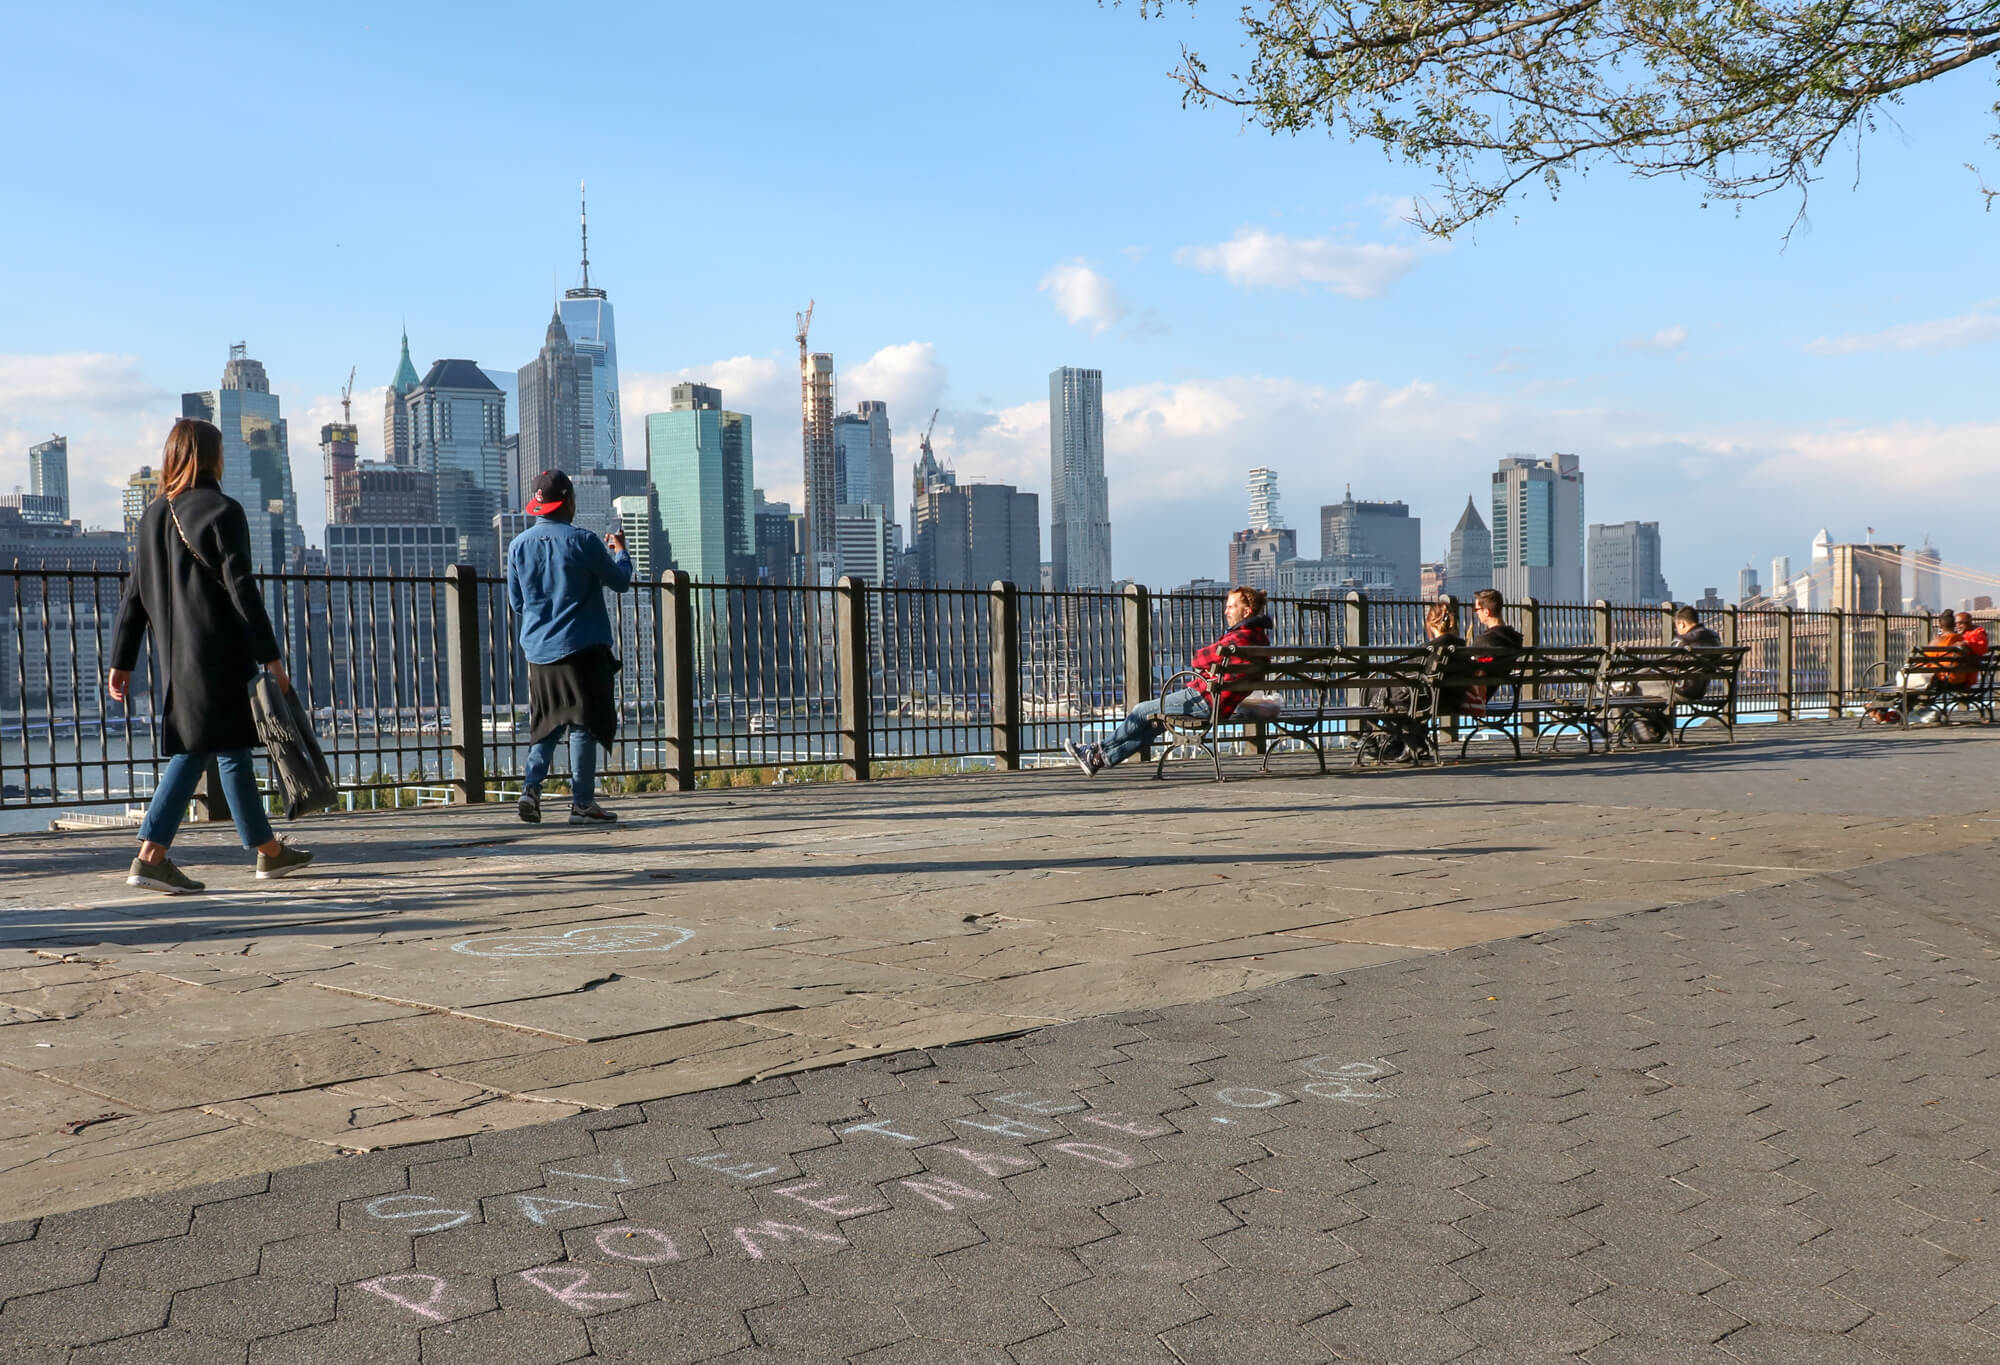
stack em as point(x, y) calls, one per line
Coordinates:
point(347, 399)
point(805, 322)
point(924, 441)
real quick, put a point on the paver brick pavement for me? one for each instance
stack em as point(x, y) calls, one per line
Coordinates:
point(1663, 1137)
point(1763, 1125)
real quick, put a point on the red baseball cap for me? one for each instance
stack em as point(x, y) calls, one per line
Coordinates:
point(551, 490)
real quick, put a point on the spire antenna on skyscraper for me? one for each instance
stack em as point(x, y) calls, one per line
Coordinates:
point(584, 291)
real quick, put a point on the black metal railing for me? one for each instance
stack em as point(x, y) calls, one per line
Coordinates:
point(420, 691)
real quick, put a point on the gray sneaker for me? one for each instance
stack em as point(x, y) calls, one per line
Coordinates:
point(592, 814)
point(163, 877)
point(530, 805)
point(283, 863)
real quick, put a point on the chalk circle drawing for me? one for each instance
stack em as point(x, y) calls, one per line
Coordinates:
point(591, 939)
point(1349, 1082)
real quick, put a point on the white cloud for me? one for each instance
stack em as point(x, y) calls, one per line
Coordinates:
point(1967, 329)
point(1398, 211)
point(77, 382)
point(907, 377)
point(114, 419)
point(1084, 297)
point(1360, 270)
point(1666, 339)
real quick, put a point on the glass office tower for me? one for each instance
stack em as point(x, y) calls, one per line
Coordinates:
point(698, 459)
point(256, 460)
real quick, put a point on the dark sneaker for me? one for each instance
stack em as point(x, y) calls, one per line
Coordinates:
point(162, 876)
point(530, 805)
point(592, 814)
point(1082, 756)
point(283, 863)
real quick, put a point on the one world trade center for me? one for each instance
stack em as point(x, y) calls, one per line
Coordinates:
point(586, 316)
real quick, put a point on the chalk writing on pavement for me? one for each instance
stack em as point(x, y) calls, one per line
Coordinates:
point(1017, 1131)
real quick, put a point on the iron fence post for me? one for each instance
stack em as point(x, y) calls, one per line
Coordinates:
point(1882, 647)
point(1731, 631)
point(1531, 637)
point(677, 656)
point(1836, 664)
point(1787, 662)
point(1137, 609)
point(462, 674)
point(209, 797)
point(1357, 619)
point(850, 633)
point(1004, 618)
point(662, 660)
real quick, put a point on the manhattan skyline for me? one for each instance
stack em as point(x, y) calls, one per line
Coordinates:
point(1251, 301)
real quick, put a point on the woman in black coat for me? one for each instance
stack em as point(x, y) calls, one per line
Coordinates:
point(193, 581)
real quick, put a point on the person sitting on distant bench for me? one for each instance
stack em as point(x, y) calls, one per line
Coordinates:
point(1689, 633)
point(1971, 634)
point(1494, 635)
point(1399, 732)
point(1948, 647)
point(1494, 645)
point(1244, 623)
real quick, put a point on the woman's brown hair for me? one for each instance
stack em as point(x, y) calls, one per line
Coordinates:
point(194, 448)
point(1255, 596)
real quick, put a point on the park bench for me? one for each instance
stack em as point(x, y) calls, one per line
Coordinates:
point(1542, 690)
point(1628, 669)
point(1323, 690)
point(1929, 678)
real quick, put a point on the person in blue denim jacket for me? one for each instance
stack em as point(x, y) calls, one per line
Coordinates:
point(556, 576)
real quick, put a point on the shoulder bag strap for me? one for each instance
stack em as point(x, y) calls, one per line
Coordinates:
point(181, 531)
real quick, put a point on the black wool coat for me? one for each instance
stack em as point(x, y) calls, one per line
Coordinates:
point(209, 624)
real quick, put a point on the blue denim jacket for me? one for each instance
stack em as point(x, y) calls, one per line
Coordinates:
point(556, 574)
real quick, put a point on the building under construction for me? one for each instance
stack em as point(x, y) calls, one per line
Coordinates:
point(816, 405)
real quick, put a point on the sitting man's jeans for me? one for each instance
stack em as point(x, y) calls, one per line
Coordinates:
point(582, 763)
point(176, 789)
point(1135, 734)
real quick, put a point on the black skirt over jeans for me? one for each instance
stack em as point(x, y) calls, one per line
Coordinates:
point(579, 689)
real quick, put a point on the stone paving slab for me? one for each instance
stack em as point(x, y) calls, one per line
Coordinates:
point(454, 973)
point(1761, 1127)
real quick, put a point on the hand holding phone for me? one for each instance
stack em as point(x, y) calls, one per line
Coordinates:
point(615, 541)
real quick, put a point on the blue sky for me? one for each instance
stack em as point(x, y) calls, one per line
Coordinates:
point(974, 195)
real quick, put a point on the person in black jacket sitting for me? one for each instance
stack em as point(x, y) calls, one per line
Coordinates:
point(1491, 653)
point(193, 581)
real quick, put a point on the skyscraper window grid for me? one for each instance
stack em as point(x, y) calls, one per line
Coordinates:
point(1079, 511)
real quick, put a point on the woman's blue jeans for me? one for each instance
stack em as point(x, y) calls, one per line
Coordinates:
point(582, 763)
point(1136, 733)
point(176, 789)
